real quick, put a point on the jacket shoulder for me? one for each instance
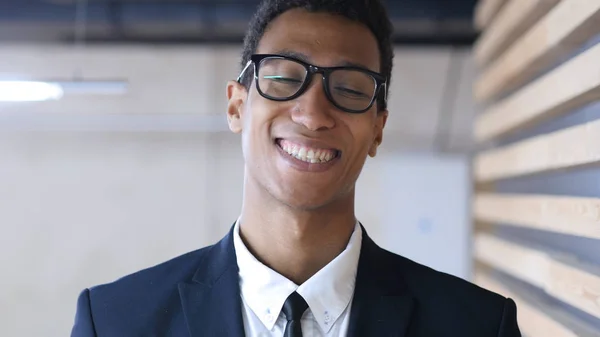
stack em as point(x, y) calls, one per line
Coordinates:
point(423, 278)
point(175, 270)
point(149, 295)
point(451, 301)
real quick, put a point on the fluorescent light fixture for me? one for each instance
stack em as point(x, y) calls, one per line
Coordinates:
point(32, 91)
point(29, 91)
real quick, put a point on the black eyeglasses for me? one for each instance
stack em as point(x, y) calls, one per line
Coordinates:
point(283, 78)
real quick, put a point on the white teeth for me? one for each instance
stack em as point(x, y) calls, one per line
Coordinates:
point(308, 155)
point(302, 152)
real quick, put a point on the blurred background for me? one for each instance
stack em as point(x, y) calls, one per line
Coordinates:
point(121, 158)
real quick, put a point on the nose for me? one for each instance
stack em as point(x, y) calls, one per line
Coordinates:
point(313, 109)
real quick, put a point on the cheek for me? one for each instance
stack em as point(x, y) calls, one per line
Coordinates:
point(256, 133)
point(363, 134)
point(248, 132)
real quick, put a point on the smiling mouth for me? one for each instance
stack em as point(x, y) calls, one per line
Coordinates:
point(307, 154)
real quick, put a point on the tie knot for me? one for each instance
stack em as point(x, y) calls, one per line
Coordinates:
point(294, 307)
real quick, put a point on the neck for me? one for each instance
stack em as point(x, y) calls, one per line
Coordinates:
point(295, 243)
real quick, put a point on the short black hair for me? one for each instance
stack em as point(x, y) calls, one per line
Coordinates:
point(371, 13)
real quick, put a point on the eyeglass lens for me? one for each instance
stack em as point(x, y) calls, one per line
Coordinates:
point(281, 78)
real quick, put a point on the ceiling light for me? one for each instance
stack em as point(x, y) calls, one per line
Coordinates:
point(29, 91)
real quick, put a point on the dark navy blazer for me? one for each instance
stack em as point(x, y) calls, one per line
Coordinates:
point(197, 294)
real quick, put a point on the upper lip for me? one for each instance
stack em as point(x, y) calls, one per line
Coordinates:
point(311, 143)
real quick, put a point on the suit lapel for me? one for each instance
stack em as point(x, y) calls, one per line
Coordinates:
point(382, 304)
point(211, 301)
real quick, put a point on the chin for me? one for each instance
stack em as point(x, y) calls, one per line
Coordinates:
point(306, 201)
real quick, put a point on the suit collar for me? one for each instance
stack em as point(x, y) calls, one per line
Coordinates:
point(382, 304)
point(328, 292)
point(211, 301)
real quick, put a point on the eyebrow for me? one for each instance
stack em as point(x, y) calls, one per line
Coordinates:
point(303, 57)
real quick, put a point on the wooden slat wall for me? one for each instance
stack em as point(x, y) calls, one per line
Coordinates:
point(567, 215)
point(536, 317)
point(568, 280)
point(515, 18)
point(566, 26)
point(572, 85)
point(486, 10)
point(537, 62)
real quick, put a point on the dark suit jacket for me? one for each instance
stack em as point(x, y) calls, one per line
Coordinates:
point(197, 294)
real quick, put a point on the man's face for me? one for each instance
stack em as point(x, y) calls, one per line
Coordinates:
point(306, 153)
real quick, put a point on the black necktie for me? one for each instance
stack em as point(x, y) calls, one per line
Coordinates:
point(293, 308)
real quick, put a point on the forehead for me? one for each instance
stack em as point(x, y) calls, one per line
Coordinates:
point(327, 39)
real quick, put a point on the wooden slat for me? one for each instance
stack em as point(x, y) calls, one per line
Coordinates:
point(567, 215)
point(579, 288)
point(565, 28)
point(524, 263)
point(512, 21)
point(570, 282)
point(568, 148)
point(485, 12)
point(536, 318)
point(572, 85)
point(533, 322)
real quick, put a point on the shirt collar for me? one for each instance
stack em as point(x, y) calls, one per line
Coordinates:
point(328, 292)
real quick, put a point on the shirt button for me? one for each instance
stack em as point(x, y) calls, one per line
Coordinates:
point(270, 318)
point(327, 317)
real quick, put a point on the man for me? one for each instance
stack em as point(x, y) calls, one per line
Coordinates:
point(310, 105)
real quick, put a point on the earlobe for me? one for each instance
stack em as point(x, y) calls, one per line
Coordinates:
point(381, 120)
point(373, 149)
point(236, 96)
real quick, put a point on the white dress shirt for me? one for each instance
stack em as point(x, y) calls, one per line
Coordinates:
point(328, 293)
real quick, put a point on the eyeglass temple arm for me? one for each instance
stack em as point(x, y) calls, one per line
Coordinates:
point(244, 71)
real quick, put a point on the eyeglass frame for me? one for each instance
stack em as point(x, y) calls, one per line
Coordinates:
point(311, 69)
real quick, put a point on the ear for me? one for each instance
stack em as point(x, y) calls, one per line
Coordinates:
point(236, 97)
point(380, 121)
